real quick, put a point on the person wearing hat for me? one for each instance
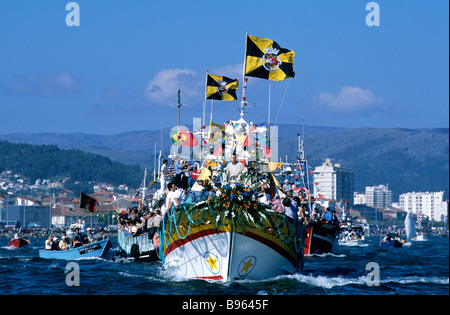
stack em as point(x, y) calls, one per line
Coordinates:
point(55, 244)
point(63, 243)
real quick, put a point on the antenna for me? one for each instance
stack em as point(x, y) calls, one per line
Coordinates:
point(179, 99)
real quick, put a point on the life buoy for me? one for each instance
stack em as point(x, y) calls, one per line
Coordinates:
point(306, 192)
point(156, 239)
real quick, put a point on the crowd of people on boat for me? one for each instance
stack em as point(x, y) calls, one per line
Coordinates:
point(182, 182)
point(135, 222)
point(79, 239)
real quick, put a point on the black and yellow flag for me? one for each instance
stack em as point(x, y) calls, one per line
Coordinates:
point(265, 59)
point(221, 88)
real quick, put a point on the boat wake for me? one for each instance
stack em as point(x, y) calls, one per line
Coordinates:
point(327, 255)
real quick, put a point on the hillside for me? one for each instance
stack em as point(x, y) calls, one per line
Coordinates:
point(406, 159)
point(48, 161)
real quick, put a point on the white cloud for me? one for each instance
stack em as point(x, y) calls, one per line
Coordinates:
point(48, 84)
point(163, 88)
point(350, 99)
point(166, 82)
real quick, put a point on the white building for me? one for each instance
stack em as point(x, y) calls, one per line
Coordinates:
point(378, 196)
point(334, 182)
point(428, 203)
point(359, 199)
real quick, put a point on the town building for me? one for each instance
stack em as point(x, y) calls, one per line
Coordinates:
point(378, 196)
point(427, 203)
point(334, 182)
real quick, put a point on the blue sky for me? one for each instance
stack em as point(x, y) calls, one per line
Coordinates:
point(120, 69)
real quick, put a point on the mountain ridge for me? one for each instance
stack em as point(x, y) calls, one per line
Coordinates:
point(406, 159)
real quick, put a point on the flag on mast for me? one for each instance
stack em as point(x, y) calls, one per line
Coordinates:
point(87, 203)
point(265, 59)
point(221, 88)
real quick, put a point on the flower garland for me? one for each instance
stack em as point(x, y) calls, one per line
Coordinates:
point(236, 203)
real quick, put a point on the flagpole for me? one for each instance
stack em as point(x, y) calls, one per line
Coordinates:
point(244, 85)
point(268, 117)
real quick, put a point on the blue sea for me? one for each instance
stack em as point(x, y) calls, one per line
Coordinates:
point(419, 269)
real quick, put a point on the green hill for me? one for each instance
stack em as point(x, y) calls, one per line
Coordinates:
point(47, 161)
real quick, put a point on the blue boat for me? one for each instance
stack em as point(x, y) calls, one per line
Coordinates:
point(94, 250)
point(391, 243)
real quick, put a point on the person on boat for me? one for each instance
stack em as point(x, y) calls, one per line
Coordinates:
point(328, 216)
point(180, 166)
point(90, 235)
point(234, 167)
point(387, 238)
point(286, 187)
point(315, 216)
point(154, 223)
point(179, 195)
point(289, 209)
point(171, 171)
point(163, 175)
point(171, 187)
point(335, 219)
point(265, 198)
point(55, 244)
point(48, 243)
point(157, 219)
point(77, 239)
point(63, 243)
point(100, 235)
point(301, 210)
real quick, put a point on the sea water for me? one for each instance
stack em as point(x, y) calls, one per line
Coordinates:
point(421, 268)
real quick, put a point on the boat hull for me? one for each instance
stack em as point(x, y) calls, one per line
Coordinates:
point(139, 247)
point(392, 243)
point(18, 242)
point(94, 250)
point(207, 250)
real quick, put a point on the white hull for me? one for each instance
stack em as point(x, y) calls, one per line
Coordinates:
point(420, 238)
point(227, 256)
point(352, 242)
point(197, 248)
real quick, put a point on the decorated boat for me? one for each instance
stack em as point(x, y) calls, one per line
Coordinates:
point(226, 231)
point(230, 236)
point(93, 250)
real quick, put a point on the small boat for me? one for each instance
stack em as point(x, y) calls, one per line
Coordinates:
point(93, 250)
point(140, 247)
point(18, 242)
point(352, 236)
point(320, 237)
point(391, 243)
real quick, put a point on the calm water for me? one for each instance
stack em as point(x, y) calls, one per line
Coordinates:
point(422, 268)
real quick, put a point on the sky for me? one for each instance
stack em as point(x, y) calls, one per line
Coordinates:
point(121, 68)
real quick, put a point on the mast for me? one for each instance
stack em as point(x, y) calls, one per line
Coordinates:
point(178, 105)
point(143, 189)
point(244, 79)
